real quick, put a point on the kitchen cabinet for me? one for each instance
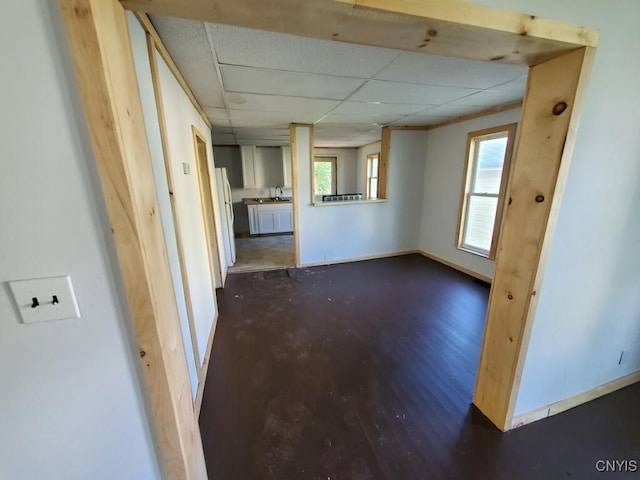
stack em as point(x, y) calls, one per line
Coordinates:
point(248, 154)
point(286, 166)
point(270, 218)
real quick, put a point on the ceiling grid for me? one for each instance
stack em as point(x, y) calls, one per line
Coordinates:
point(252, 84)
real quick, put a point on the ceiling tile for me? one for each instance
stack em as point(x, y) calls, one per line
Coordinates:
point(276, 103)
point(275, 82)
point(288, 117)
point(376, 108)
point(200, 76)
point(421, 119)
point(518, 85)
point(209, 98)
point(188, 45)
point(396, 92)
point(451, 110)
point(256, 48)
point(488, 98)
point(427, 69)
point(368, 119)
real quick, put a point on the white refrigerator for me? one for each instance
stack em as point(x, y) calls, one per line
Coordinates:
point(224, 197)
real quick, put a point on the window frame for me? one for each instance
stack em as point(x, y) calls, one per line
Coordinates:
point(370, 177)
point(333, 159)
point(469, 173)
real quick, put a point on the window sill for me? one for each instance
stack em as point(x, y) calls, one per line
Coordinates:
point(475, 252)
point(347, 202)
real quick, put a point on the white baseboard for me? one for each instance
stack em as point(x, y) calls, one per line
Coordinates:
point(202, 375)
point(357, 259)
point(576, 400)
point(462, 269)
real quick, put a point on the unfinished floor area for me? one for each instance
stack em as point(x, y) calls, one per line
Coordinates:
point(263, 253)
point(366, 371)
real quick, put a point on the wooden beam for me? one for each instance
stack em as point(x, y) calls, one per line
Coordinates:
point(295, 192)
point(546, 135)
point(383, 167)
point(164, 53)
point(100, 47)
point(441, 27)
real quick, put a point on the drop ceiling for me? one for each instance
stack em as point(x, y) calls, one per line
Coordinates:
point(252, 84)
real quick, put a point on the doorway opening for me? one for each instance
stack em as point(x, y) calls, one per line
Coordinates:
point(258, 195)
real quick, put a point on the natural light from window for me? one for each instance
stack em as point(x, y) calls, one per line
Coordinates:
point(372, 175)
point(489, 153)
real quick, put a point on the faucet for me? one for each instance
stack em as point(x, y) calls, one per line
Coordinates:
point(279, 197)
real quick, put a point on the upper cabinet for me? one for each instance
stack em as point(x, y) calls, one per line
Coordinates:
point(248, 154)
point(286, 166)
point(265, 167)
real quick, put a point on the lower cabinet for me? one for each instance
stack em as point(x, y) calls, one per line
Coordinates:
point(270, 218)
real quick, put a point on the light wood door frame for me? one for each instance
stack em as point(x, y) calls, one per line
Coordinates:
point(560, 57)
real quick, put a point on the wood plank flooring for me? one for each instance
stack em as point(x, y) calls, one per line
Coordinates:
point(366, 371)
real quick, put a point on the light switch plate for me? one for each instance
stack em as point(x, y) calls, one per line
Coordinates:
point(186, 168)
point(44, 307)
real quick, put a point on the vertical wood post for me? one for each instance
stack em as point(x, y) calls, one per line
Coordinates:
point(550, 113)
point(100, 46)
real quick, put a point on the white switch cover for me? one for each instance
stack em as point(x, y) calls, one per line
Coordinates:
point(186, 168)
point(45, 307)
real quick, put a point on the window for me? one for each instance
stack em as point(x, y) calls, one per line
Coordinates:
point(372, 175)
point(324, 176)
point(485, 183)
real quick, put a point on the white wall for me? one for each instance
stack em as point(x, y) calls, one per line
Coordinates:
point(346, 165)
point(147, 96)
point(180, 115)
point(361, 165)
point(446, 150)
point(71, 401)
point(346, 231)
point(589, 304)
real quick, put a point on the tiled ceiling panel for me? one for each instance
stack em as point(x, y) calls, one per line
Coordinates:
point(488, 98)
point(255, 48)
point(396, 92)
point(254, 102)
point(189, 48)
point(253, 84)
point(376, 108)
point(294, 84)
point(413, 67)
point(365, 119)
point(286, 117)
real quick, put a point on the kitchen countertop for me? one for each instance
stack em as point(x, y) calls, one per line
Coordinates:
point(266, 200)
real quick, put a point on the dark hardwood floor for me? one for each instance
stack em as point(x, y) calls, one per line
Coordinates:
point(366, 371)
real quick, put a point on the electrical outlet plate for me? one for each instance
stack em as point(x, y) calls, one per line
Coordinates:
point(43, 290)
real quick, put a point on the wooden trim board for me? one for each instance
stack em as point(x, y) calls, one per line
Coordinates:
point(100, 48)
point(294, 193)
point(202, 375)
point(455, 266)
point(441, 27)
point(571, 402)
point(162, 50)
point(552, 106)
point(383, 165)
point(157, 88)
